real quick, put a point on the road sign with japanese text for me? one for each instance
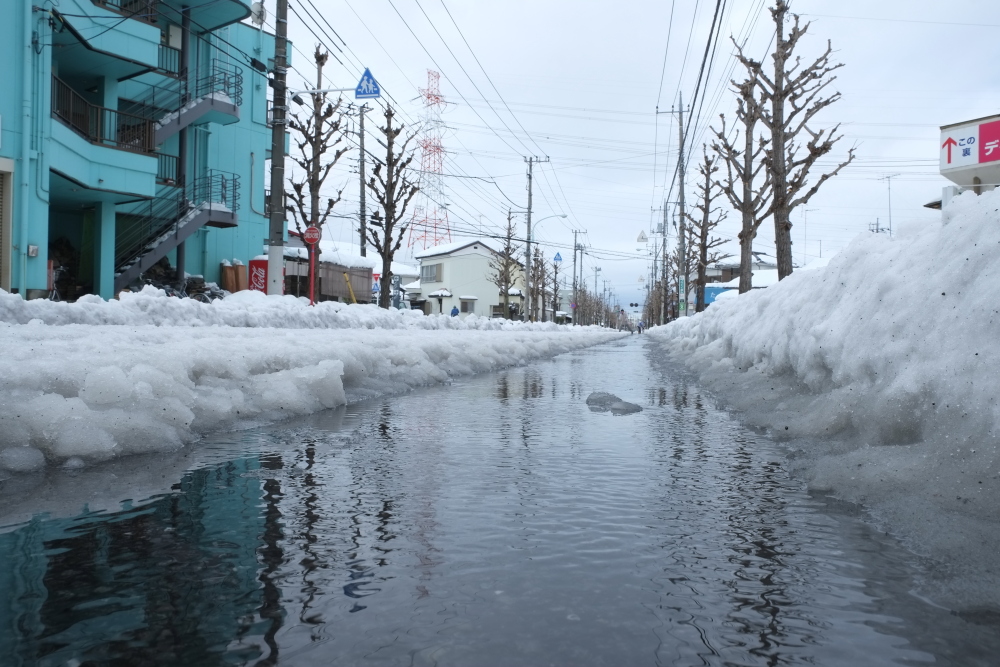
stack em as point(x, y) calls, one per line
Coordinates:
point(970, 152)
point(312, 235)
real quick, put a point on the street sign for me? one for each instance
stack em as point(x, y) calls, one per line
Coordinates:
point(970, 152)
point(368, 87)
point(312, 235)
point(557, 258)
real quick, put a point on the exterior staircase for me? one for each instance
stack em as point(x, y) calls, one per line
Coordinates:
point(152, 229)
point(214, 97)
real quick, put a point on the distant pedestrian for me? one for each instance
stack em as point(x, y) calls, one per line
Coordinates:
point(454, 311)
point(641, 325)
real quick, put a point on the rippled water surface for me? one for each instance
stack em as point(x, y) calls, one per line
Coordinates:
point(497, 521)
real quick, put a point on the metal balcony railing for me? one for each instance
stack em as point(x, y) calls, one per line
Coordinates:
point(169, 60)
point(167, 169)
point(100, 125)
point(142, 10)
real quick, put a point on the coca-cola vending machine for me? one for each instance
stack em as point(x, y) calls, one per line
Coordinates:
point(257, 280)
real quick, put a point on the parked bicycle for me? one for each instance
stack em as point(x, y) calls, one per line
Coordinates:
point(57, 274)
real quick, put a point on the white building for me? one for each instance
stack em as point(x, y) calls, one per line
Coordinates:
point(458, 275)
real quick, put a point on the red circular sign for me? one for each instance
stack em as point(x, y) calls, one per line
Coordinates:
point(311, 235)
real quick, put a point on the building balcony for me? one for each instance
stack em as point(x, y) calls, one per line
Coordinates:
point(100, 125)
point(205, 15)
point(101, 149)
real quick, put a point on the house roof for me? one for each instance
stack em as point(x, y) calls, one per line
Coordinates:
point(442, 293)
point(448, 248)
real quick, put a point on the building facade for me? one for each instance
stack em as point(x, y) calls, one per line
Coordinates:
point(130, 131)
point(459, 275)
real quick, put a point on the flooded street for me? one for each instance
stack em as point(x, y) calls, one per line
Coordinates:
point(495, 521)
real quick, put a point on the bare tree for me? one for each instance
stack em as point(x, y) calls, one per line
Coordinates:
point(318, 137)
point(743, 167)
point(790, 98)
point(504, 265)
point(393, 190)
point(679, 264)
point(708, 218)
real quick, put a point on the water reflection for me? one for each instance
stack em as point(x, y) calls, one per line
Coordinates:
point(493, 522)
point(171, 582)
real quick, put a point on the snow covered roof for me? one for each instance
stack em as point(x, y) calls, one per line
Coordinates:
point(761, 278)
point(449, 248)
point(515, 291)
point(469, 298)
point(440, 294)
point(412, 287)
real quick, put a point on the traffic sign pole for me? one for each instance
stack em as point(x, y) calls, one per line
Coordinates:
point(312, 236)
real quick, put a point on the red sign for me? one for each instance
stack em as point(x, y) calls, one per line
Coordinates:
point(989, 142)
point(312, 235)
point(258, 275)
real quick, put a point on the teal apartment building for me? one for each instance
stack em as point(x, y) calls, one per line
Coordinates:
point(130, 131)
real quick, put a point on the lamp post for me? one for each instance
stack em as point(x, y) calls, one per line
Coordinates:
point(527, 264)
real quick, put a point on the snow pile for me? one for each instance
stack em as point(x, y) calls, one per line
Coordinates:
point(80, 393)
point(248, 308)
point(883, 368)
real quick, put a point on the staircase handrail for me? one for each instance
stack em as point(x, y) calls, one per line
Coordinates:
point(161, 215)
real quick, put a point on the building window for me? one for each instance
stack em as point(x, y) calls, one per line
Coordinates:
point(468, 306)
point(430, 273)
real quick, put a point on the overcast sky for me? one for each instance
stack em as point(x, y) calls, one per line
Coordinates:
point(579, 82)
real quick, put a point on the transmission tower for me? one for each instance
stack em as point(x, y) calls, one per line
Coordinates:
point(429, 224)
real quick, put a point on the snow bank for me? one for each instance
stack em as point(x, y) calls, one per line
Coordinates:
point(80, 393)
point(243, 309)
point(881, 369)
point(96, 379)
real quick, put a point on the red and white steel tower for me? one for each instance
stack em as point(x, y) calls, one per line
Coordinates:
point(429, 224)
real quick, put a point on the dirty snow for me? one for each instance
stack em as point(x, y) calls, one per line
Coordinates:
point(881, 371)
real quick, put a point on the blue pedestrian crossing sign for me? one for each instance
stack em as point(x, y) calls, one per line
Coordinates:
point(557, 258)
point(367, 88)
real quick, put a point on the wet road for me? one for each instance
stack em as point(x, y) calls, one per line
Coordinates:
point(496, 521)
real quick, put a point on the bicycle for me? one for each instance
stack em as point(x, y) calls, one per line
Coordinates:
point(57, 274)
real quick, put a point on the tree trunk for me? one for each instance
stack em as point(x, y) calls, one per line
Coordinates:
point(779, 169)
point(384, 284)
point(746, 254)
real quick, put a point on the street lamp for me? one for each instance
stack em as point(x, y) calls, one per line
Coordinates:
point(298, 100)
point(527, 264)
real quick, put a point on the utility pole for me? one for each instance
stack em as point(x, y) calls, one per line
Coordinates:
point(682, 280)
point(663, 269)
point(597, 270)
point(888, 184)
point(574, 308)
point(361, 170)
point(276, 239)
point(527, 245)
